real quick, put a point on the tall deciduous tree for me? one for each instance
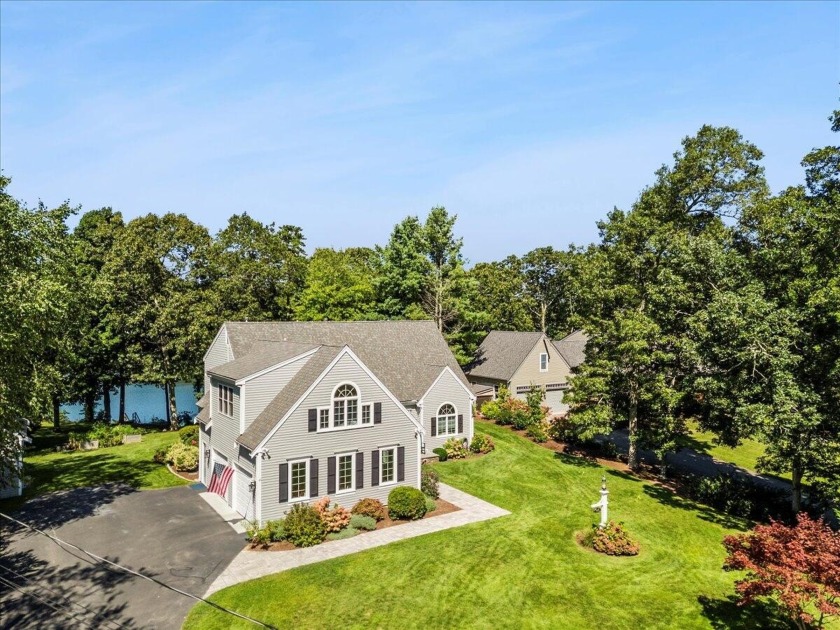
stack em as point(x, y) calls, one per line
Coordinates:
point(257, 270)
point(339, 286)
point(34, 305)
point(160, 299)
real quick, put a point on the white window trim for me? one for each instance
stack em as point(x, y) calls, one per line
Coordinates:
point(544, 354)
point(359, 404)
point(305, 496)
point(219, 394)
point(352, 488)
point(382, 482)
point(369, 407)
point(438, 417)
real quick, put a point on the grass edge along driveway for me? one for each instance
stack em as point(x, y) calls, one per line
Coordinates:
point(522, 570)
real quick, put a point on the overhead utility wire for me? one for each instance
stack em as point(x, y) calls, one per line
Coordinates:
point(121, 568)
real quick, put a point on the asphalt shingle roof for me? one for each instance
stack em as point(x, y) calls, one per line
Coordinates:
point(501, 353)
point(572, 347)
point(288, 396)
point(265, 355)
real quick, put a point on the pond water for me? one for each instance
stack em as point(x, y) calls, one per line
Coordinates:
point(147, 401)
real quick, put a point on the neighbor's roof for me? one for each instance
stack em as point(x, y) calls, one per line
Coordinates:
point(265, 355)
point(407, 356)
point(572, 347)
point(288, 396)
point(502, 352)
point(480, 389)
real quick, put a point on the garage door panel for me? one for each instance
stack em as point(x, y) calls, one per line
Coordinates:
point(243, 497)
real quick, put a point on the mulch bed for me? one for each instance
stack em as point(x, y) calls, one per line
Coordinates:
point(442, 507)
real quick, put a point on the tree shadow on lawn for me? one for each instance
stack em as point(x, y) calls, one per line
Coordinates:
point(669, 498)
point(726, 614)
point(38, 594)
point(576, 460)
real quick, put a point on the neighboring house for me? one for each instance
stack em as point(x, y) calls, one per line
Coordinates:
point(521, 360)
point(301, 410)
point(12, 485)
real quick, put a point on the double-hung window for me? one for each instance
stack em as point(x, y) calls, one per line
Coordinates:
point(225, 400)
point(345, 472)
point(447, 420)
point(324, 418)
point(366, 413)
point(543, 362)
point(387, 465)
point(298, 480)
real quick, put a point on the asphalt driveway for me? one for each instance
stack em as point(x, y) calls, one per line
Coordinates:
point(172, 535)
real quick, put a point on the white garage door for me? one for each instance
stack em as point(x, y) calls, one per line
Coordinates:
point(554, 401)
point(242, 496)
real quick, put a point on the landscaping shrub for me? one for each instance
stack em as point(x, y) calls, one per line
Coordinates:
point(334, 518)
point(538, 431)
point(441, 453)
point(455, 448)
point(492, 410)
point(429, 481)
point(257, 536)
point(536, 411)
point(303, 526)
point(370, 507)
point(431, 505)
point(561, 429)
point(182, 457)
point(276, 530)
point(189, 435)
point(348, 532)
point(362, 522)
point(612, 540)
point(160, 455)
point(737, 497)
point(482, 443)
point(406, 503)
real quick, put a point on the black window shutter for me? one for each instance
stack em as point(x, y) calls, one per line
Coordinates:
point(374, 468)
point(331, 475)
point(313, 478)
point(401, 463)
point(434, 427)
point(377, 413)
point(360, 470)
point(460, 423)
point(313, 420)
point(284, 483)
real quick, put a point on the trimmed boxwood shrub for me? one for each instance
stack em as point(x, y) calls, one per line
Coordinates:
point(182, 457)
point(441, 453)
point(431, 506)
point(360, 521)
point(429, 480)
point(303, 526)
point(406, 503)
point(370, 507)
point(347, 532)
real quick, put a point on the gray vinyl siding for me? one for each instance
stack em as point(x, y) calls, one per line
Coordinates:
point(225, 430)
point(203, 442)
point(529, 372)
point(218, 354)
point(294, 441)
point(263, 389)
point(448, 389)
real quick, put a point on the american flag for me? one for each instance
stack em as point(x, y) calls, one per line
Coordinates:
point(220, 479)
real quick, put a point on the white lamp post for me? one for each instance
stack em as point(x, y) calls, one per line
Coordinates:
point(601, 506)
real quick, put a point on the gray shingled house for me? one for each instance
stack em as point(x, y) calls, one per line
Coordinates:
point(521, 360)
point(301, 410)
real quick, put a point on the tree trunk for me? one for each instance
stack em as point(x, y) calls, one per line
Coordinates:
point(106, 401)
point(633, 452)
point(172, 408)
point(796, 483)
point(543, 316)
point(90, 401)
point(122, 402)
point(56, 413)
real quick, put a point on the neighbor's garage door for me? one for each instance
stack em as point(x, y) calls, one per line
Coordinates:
point(242, 496)
point(554, 401)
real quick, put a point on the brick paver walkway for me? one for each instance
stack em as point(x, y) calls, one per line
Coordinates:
point(249, 565)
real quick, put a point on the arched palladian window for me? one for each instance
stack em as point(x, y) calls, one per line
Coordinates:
point(447, 420)
point(345, 406)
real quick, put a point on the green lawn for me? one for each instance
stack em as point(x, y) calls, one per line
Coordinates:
point(46, 471)
point(745, 455)
point(523, 570)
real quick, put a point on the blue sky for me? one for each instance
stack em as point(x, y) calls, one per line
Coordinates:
point(530, 121)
